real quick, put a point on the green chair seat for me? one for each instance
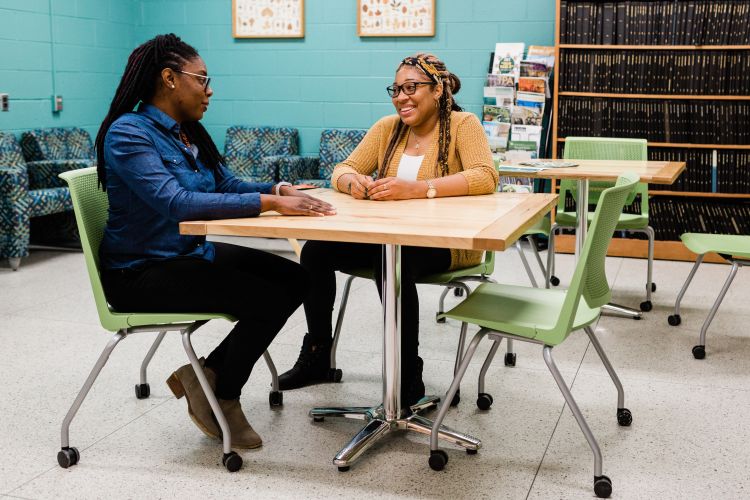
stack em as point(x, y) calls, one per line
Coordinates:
point(527, 312)
point(626, 221)
point(541, 227)
point(727, 244)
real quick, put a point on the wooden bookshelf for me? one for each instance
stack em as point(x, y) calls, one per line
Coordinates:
point(626, 247)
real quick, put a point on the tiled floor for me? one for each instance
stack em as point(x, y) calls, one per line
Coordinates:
point(689, 438)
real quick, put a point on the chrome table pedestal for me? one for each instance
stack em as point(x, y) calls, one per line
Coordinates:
point(390, 416)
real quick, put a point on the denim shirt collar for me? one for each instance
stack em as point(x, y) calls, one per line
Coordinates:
point(160, 117)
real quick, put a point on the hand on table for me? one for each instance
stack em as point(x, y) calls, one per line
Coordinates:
point(393, 188)
point(359, 185)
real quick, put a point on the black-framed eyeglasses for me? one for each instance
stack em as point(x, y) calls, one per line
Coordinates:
point(206, 79)
point(408, 88)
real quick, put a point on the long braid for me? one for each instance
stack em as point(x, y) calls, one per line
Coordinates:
point(436, 70)
point(139, 84)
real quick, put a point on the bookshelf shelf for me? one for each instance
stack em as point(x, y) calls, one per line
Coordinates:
point(653, 47)
point(719, 48)
point(659, 96)
point(686, 145)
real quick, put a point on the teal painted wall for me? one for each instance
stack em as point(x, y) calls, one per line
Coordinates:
point(331, 78)
point(79, 47)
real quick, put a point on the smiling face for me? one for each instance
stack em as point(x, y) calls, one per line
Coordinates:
point(190, 96)
point(419, 108)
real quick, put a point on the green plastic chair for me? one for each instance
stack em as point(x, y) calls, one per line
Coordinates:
point(547, 316)
point(605, 148)
point(90, 205)
point(735, 249)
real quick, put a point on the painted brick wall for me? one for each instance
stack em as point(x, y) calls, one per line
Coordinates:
point(331, 78)
point(77, 47)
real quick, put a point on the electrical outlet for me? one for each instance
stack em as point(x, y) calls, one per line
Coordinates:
point(4, 102)
point(57, 103)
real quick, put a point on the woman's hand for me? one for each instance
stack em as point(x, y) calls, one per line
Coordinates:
point(393, 188)
point(357, 185)
point(296, 204)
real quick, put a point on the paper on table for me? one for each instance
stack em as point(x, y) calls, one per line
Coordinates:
point(549, 164)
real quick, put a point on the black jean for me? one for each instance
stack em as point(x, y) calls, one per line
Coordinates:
point(260, 289)
point(322, 258)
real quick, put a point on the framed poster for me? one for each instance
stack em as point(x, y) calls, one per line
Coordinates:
point(268, 18)
point(396, 17)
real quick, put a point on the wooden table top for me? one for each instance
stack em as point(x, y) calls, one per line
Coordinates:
point(654, 172)
point(487, 222)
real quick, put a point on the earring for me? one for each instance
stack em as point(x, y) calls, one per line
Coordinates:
point(171, 86)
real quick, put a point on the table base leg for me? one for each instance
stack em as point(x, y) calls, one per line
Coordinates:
point(378, 426)
point(622, 311)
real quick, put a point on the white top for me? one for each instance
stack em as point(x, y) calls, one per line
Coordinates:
point(408, 167)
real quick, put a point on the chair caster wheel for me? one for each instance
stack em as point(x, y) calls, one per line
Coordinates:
point(674, 319)
point(624, 417)
point(232, 461)
point(653, 287)
point(456, 398)
point(699, 352)
point(335, 374)
point(439, 319)
point(318, 419)
point(68, 457)
point(484, 401)
point(554, 280)
point(458, 292)
point(646, 306)
point(344, 468)
point(469, 451)
point(276, 398)
point(602, 486)
point(438, 459)
point(510, 359)
point(142, 391)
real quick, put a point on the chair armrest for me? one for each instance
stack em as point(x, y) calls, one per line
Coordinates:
point(45, 173)
point(14, 212)
point(294, 168)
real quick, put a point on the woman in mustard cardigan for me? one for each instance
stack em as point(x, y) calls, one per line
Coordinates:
point(430, 148)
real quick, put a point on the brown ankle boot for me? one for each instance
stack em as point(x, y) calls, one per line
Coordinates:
point(184, 382)
point(243, 435)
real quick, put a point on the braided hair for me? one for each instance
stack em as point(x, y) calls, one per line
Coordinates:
point(437, 72)
point(139, 84)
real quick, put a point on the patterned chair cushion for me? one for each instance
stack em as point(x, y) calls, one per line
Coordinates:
point(49, 201)
point(245, 148)
point(335, 146)
point(57, 144)
point(10, 151)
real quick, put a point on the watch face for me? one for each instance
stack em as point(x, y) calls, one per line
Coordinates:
point(431, 192)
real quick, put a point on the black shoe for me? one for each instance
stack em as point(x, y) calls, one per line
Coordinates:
point(312, 366)
point(413, 387)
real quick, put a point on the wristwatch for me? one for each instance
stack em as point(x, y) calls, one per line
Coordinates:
point(280, 185)
point(431, 190)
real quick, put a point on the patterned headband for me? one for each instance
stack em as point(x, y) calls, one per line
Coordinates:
point(425, 66)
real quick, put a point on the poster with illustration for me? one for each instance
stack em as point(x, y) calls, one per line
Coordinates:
point(268, 18)
point(396, 17)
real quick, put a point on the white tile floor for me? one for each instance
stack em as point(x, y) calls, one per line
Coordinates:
point(688, 440)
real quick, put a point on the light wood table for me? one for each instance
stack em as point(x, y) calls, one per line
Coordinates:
point(489, 222)
point(653, 172)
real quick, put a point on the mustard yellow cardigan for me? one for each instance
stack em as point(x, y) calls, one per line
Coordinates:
point(468, 155)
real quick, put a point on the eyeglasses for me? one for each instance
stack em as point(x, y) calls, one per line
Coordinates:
point(206, 79)
point(408, 88)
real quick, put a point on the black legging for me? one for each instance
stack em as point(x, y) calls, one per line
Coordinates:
point(322, 258)
point(260, 289)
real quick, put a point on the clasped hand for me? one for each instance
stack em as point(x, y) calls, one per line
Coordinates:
point(393, 188)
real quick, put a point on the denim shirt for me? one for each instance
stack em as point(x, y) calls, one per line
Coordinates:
point(154, 182)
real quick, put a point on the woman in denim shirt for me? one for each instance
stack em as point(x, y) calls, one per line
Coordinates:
point(159, 167)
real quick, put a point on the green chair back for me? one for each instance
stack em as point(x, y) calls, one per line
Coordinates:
point(91, 205)
point(603, 148)
point(589, 279)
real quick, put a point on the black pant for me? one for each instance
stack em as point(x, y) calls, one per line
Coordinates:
point(260, 289)
point(322, 258)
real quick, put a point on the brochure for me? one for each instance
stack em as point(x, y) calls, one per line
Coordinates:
point(508, 59)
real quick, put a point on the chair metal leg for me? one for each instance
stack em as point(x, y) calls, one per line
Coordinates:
point(610, 369)
point(149, 355)
point(717, 303)
point(685, 286)
point(461, 345)
point(550, 255)
point(14, 262)
point(226, 433)
point(340, 319)
point(532, 243)
point(272, 369)
point(547, 354)
point(441, 302)
point(650, 262)
point(525, 263)
point(486, 364)
point(103, 357)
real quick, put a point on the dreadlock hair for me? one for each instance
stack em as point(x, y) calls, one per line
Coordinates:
point(139, 84)
point(436, 71)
